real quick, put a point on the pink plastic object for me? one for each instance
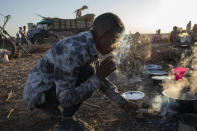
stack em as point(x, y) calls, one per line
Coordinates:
point(179, 72)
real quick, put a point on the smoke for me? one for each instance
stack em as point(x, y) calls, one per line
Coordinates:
point(176, 89)
point(128, 67)
point(156, 103)
point(164, 106)
point(121, 50)
point(188, 82)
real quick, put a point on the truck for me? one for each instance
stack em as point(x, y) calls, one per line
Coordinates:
point(54, 29)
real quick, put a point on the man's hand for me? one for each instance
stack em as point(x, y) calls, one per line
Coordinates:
point(130, 107)
point(106, 67)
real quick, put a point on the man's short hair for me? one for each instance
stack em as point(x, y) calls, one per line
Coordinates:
point(108, 22)
point(175, 28)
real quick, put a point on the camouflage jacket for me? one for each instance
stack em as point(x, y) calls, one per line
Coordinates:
point(60, 67)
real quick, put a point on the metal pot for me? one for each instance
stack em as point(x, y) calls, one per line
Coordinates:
point(181, 105)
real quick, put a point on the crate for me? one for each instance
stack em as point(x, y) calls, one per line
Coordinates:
point(64, 24)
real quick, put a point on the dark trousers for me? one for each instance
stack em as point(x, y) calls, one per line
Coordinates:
point(51, 105)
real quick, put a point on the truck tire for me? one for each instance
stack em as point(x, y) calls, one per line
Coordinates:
point(38, 39)
point(10, 46)
point(53, 39)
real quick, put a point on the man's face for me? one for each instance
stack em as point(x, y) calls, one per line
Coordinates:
point(107, 42)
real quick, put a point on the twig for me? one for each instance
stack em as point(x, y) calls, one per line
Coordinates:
point(86, 124)
point(10, 112)
point(9, 96)
point(100, 94)
point(91, 105)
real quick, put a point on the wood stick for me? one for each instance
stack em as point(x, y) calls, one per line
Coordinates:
point(96, 106)
point(10, 112)
point(9, 96)
point(100, 94)
point(86, 124)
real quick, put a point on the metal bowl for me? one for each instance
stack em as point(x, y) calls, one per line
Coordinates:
point(156, 72)
point(184, 45)
point(133, 95)
point(160, 78)
point(152, 67)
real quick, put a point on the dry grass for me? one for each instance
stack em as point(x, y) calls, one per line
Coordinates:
point(39, 48)
point(145, 52)
point(164, 53)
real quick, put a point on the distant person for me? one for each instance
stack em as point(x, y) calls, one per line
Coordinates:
point(194, 33)
point(66, 75)
point(24, 29)
point(174, 36)
point(17, 37)
point(188, 27)
point(194, 29)
point(22, 32)
point(156, 37)
point(137, 36)
point(21, 35)
point(25, 36)
point(78, 13)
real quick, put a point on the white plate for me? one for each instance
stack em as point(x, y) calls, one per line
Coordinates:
point(160, 77)
point(184, 45)
point(153, 67)
point(133, 95)
point(157, 72)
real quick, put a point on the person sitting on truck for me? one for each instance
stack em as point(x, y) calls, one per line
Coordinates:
point(66, 75)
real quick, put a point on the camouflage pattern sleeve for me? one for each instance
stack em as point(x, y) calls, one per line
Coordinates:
point(66, 72)
point(68, 96)
point(111, 91)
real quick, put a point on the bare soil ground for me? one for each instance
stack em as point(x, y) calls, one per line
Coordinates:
point(106, 117)
point(12, 78)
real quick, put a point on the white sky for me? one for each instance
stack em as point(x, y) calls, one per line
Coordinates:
point(138, 15)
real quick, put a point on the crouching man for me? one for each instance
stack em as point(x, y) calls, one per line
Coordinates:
point(66, 75)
